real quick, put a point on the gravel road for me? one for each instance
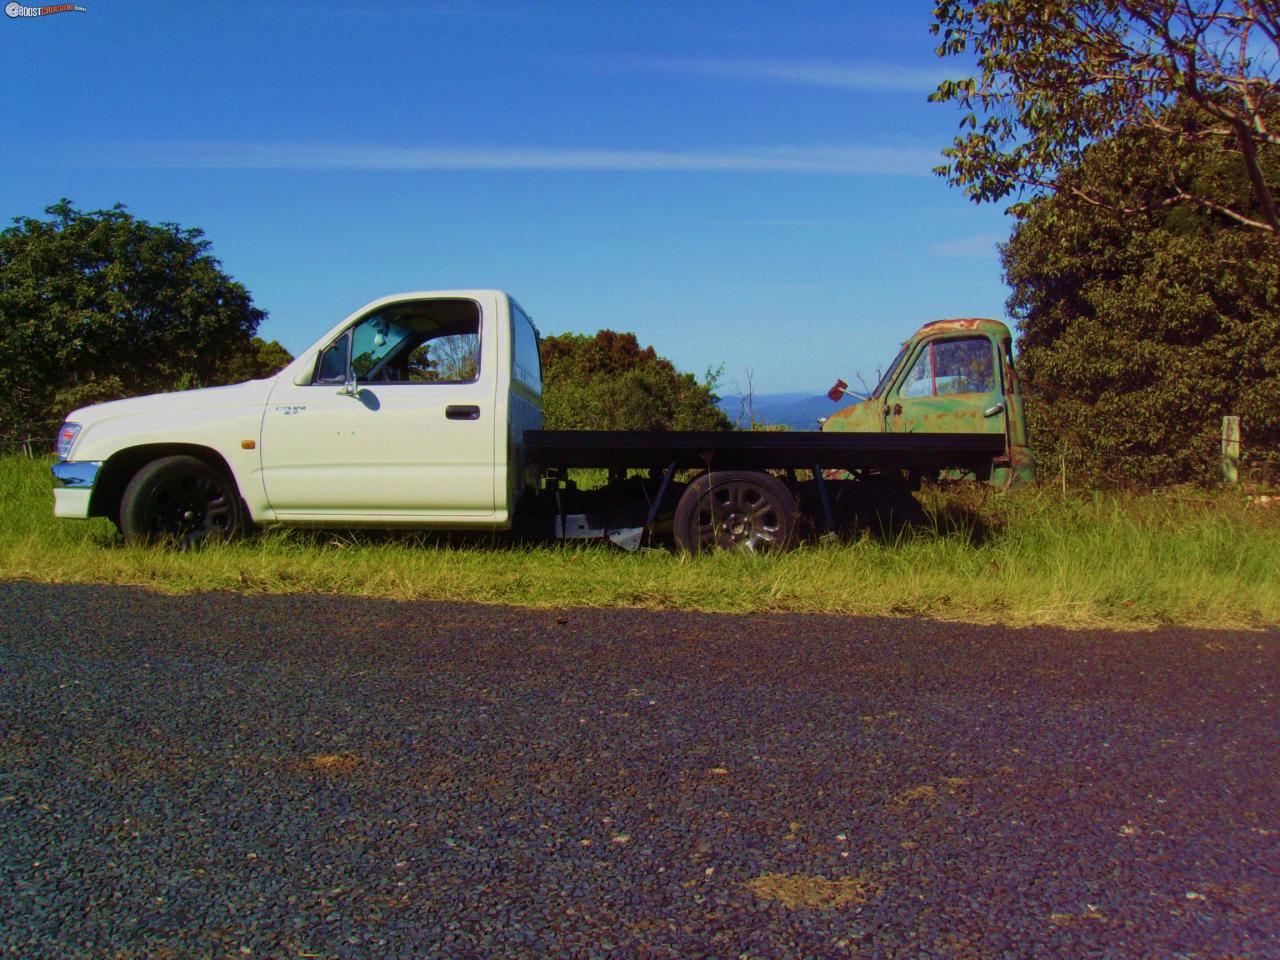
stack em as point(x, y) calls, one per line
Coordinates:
point(303, 776)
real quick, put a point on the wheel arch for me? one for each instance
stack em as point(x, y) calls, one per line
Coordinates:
point(120, 467)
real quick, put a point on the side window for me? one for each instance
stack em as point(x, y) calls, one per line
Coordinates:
point(449, 358)
point(526, 364)
point(950, 367)
point(332, 367)
point(373, 340)
point(887, 377)
point(919, 381)
point(427, 341)
point(965, 366)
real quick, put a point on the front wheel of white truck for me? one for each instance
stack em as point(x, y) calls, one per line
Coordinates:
point(183, 501)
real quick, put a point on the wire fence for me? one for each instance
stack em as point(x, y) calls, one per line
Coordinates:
point(30, 447)
point(1205, 455)
point(30, 438)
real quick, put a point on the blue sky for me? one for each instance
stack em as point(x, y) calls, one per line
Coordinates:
point(739, 183)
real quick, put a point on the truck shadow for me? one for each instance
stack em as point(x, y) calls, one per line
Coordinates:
point(938, 518)
point(889, 527)
point(957, 521)
point(889, 514)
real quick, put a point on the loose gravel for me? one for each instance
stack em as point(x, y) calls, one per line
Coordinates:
point(301, 776)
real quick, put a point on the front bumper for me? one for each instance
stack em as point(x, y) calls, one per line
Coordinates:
point(74, 475)
point(73, 487)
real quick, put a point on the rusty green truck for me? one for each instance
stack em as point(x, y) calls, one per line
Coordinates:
point(952, 376)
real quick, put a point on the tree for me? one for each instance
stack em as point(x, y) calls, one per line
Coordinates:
point(100, 305)
point(262, 359)
point(1138, 332)
point(1056, 76)
point(607, 382)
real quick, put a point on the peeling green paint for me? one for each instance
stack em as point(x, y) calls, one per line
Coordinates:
point(953, 376)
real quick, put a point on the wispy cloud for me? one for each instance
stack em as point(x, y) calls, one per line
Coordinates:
point(478, 9)
point(861, 75)
point(976, 245)
point(881, 160)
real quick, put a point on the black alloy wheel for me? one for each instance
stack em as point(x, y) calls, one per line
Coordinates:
point(180, 500)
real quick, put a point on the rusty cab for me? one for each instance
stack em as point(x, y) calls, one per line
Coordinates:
point(951, 376)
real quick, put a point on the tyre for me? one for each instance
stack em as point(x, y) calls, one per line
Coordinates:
point(735, 510)
point(180, 500)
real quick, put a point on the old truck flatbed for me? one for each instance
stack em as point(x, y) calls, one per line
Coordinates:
point(763, 449)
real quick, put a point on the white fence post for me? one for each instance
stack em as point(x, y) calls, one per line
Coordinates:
point(1231, 450)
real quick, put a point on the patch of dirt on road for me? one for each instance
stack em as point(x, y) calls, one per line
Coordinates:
point(798, 890)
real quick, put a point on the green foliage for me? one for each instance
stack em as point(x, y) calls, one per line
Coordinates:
point(262, 359)
point(607, 382)
point(1140, 332)
point(1055, 76)
point(100, 305)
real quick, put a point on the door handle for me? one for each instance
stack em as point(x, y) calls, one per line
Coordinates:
point(993, 411)
point(462, 411)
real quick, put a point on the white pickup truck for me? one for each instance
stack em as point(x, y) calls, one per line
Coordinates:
point(423, 410)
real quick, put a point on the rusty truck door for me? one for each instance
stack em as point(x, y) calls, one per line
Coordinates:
point(949, 385)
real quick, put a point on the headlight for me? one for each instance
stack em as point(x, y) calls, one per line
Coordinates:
point(66, 437)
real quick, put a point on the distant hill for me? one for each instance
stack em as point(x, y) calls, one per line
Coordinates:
point(799, 411)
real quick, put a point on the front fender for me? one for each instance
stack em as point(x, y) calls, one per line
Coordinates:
point(225, 422)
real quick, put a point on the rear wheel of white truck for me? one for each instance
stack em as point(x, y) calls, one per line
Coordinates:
point(181, 500)
point(735, 510)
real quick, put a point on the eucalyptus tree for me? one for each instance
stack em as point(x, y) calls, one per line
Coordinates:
point(1055, 76)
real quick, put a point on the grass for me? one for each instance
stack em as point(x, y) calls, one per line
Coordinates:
point(1032, 557)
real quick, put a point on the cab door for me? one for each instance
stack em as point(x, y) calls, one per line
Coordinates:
point(398, 420)
point(950, 385)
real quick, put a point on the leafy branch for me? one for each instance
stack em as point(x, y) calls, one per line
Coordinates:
point(1056, 77)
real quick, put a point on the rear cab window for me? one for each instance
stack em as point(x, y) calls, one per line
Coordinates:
point(526, 363)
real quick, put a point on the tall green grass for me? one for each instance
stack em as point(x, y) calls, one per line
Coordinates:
point(1032, 557)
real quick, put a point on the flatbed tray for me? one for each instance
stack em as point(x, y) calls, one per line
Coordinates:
point(760, 450)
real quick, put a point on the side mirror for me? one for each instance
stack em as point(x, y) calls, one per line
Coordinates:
point(349, 388)
point(838, 391)
point(302, 378)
